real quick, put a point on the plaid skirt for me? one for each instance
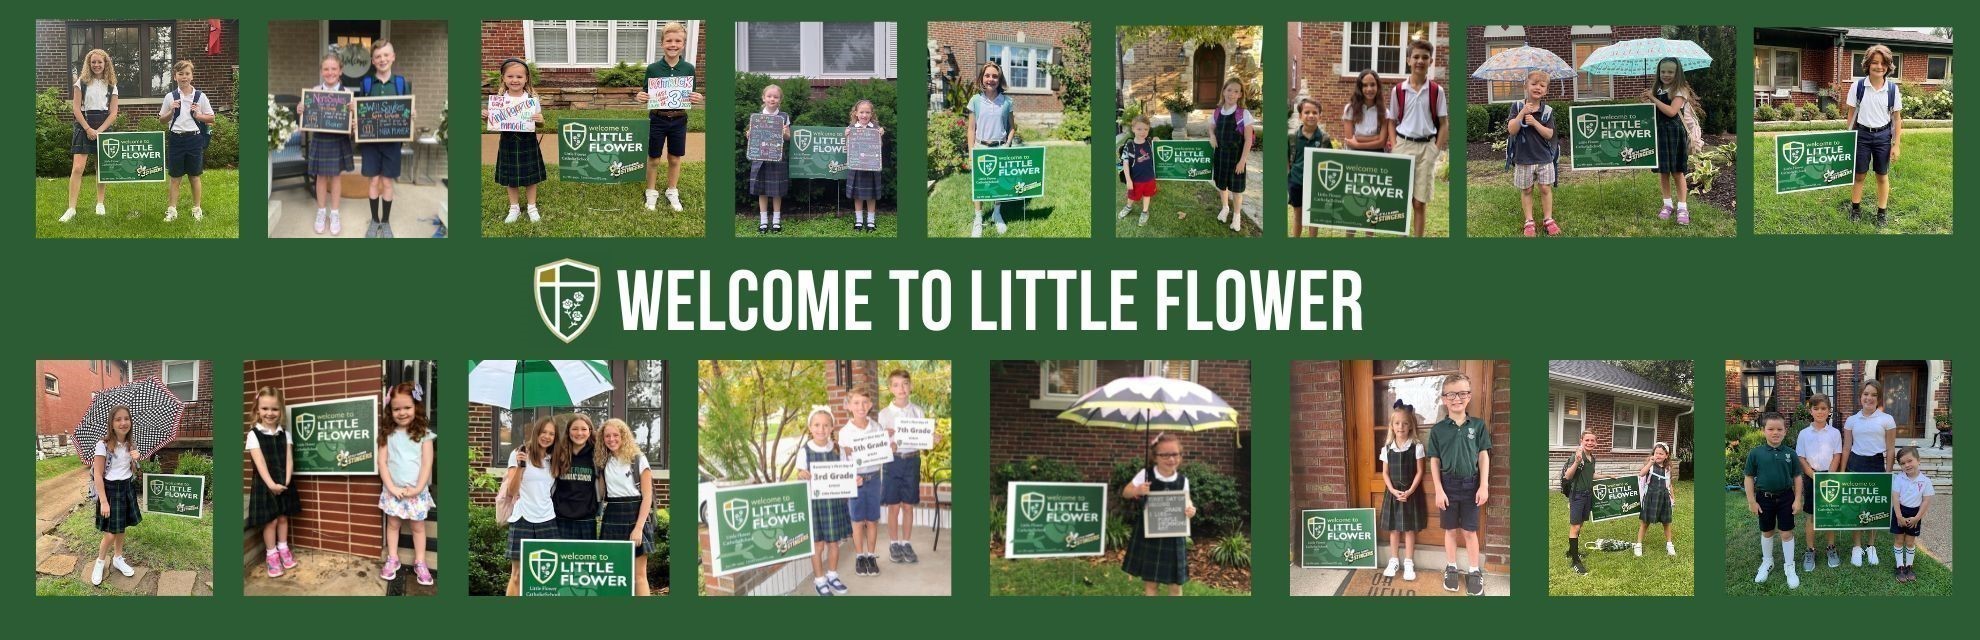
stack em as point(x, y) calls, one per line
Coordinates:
point(769, 178)
point(79, 140)
point(1224, 170)
point(521, 530)
point(863, 185)
point(123, 498)
point(620, 514)
point(264, 506)
point(519, 160)
point(577, 528)
point(1673, 147)
point(1404, 515)
point(1160, 560)
point(1656, 504)
point(831, 521)
point(330, 154)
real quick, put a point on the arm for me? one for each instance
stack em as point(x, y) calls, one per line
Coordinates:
point(511, 479)
point(1836, 461)
point(1890, 435)
point(1386, 483)
point(1897, 133)
point(1443, 142)
point(203, 113)
point(1247, 146)
point(96, 465)
point(289, 473)
point(1797, 495)
point(1545, 131)
point(261, 469)
point(165, 111)
point(1484, 468)
point(645, 503)
point(1513, 124)
point(1437, 483)
point(425, 467)
point(112, 119)
point(76, 110)
point(1669, 110)
point(969, 133)
point(1415, 482)
point(1752, 503)
point(1646, 468)
point(384, 455)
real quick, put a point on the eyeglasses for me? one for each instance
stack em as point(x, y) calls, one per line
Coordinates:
point(1456, 395)
point(1169, 455)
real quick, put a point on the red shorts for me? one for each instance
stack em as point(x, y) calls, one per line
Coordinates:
point(1141, 190)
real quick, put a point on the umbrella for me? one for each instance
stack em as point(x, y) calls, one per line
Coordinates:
point(1512, 65)
point(155, 415)
point(1639, 57)
point(516, 384)
point(1152, 403)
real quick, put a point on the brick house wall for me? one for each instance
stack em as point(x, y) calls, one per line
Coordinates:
point(1850, 375)
point(965, 38)
point(1021, 431)
point(1828, 66)
point(1319, 70)
point(295, 50)
point(1560, 39)
point(480, 428)
point(503, 39)
point(57, 414)
point(1600, 418)
point(212, 74)
point(1158, 68)
point(340, 512)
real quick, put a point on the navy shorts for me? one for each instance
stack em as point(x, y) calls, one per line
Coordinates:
point(865, 507)
point(1807, 495)
point(381, 158)
point(1873, 150)
point(185, 154)
point(666, 133)
point(1581, 505)
point(1897, 529)
point(1865, 464)
point(1463, 512)
point(1776, 510)
point(902, 480)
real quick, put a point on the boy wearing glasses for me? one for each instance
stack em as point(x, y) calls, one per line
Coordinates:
point(1459, 452)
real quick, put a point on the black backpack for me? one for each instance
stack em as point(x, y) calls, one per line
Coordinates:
point(205, 131)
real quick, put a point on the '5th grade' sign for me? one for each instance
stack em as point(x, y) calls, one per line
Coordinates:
point(1358, 190)
point(1613, 136)
point(335, 437)
point(1055, 519)
point(601, 151)
point(130, 157)
point(1006, 173)
point(1337, 538)
point(577, 567)
point(759, 524)
point(1852, 501)
point(1815, 160)
point(1617, 497)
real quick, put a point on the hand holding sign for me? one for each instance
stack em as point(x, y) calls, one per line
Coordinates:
point(915, 433)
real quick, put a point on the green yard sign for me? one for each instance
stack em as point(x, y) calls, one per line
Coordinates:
point(1852, 501)
point(818, 152)
point(1358, 190)
point(1183, 160)
point(760, 524)
point(577, 567)
point(1617, 497)
point(601, 151)
point(1006, 173)
point(1815, 160)
point(335, 437)
point(175, 495)
point(130, 157)
point(1613, 136)
point(1055, 519)
point(1337, 538)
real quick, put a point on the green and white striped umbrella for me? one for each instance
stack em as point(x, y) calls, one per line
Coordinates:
point(516, 384)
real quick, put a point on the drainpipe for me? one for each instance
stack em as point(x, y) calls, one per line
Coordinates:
point(1694, 436)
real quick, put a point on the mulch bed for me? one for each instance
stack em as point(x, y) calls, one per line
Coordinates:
point(1724, 193)
point(1201, 567)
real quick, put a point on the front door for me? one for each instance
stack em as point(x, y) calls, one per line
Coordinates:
point(1373, 386)
point(1904, 399)
point(1208, 64)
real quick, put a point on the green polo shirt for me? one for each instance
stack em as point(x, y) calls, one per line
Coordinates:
point(1584, 478)
point(385, 87)
point(1772, 468)
point(1456, 446)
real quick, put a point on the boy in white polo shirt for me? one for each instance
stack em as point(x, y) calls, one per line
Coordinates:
point(865, 505)
point(1819, 448)
point(1874, 106)
point(1419, 109)
point(1911, 494)
point(901, 479)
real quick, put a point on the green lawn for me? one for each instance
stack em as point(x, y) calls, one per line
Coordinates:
point(1436, 219)
point(137, 210)
point(697, 118)
point(1921, 193)
point(163, 543)
point(1586, 204)
point(46, 468)
point(1199, 199)
point(1065, 211)
point(70, 586)
point(1621, 573)
point(819, 227)
point(1076, 577)
point(1743, 559)
point(582, 210)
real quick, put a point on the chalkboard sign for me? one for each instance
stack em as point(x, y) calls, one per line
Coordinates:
point(1166, 515)
point(766, 136)
point(326, 111)
point(863, 145)
point(385, 119)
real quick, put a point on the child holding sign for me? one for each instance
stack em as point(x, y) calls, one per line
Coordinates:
point(1868, 436)
point(1658, 498)
point(1579, 478)
point(525, 497)
point(1670, 96)
point(769, 180)
point(1819, 446)
point(628, 498)
point(407, 470)
point(1308, 135)
point(272, 501)
point(901, 479)
point(519, 157)
point(1402, 476)
point(1874, 103)
point(114, 471)
point(1460, 461)
point(382, 159)
point(1365, 127)
point(329, 153)
point(992, 123)
point(1913, 495)
point(864, 508)
point(187, 115)
point(1138, 168)
point(863, 186)
point(1532, 153)
point(667, 129)
point(1230, 129)
point(1417, 113)
point(94, 108)
point(1773, 493)
point(1158, 560)
point(831, 522)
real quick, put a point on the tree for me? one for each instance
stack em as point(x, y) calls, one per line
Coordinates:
point(1675, 374)
point(1072, 71)
point(1715, 85)
point(752, 416)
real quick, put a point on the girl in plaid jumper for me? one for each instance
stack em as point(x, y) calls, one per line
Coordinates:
point(519, 157)
point(1658, 498)
point(272, 501)
point(831, 522)
point(1158, 560)
point(114, 472)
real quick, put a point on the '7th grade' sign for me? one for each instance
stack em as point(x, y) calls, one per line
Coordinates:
point(1358, 190)
point(1006, 173)
point(1055, 519)
point(335, 437)
point(601, 151)
point(1613, 136)
point(577, 567)
point(130, 157)
point(1337, 538)
point(175, 495)
point(1852, 501)
point(1617, 497)
point(1187, 160)
point(1811, 161)
point(915, 433)
point(757, 525)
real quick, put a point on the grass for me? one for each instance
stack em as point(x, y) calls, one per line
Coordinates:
point(1199, 199)
point(697, 118)
point(69, 586)
point(583, 210)
point(1921, 193)
point(163, 543)
point(137, 210)
point(1436, 218)
point(1621, 573)
point(1838, 125)
point(1586, 204)
point(46, 468)
point(820, 227)
point(1076, 577)
point(1065, 211)
point(1743, 560)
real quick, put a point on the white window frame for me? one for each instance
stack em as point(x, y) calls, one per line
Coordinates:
point(1504, 31)
point(1590, 30)
point(1856, 65)
point(1928, 69)
point(51, 384)
point(1402, 56)
point(1557, 418)
point(1615, 443)
point(1489, 96)
point(1574, 49)
point(164, 376)
point(1037, 65)
point(1088, 369)
point(811, 57)
point(611, 43)
point(1772, 58)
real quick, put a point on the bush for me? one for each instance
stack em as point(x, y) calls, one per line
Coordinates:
point(1162, 132)
point(948, 145)
point(1118, 531)
point(1765, 113)
point(1830, 112)
point(54, 123)
point(1708, 164)
point(1748, 438)
point(657, 561)
point(193, 464)
point(1077, 126)
point(1926, 105)
point(1031, 469)
point(488, 549)
point(1232, 551)
point(150, 466)
point(835, 110)
point(1478, 123)
point(996, 521)
point(1221, 509)
point(624, 74)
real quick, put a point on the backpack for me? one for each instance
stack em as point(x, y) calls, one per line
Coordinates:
point(1890, 93)
point(1402, 104)
point(1695, 134)
point(1547, 114)
point(204, 130)
point(398, 83)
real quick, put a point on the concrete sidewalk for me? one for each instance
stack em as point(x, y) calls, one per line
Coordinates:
point(1938, 540)
point(930, 577)
point(1369, 582)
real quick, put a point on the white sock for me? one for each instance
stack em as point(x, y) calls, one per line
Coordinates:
point(818, 581)
point(1682, 206)
point(831, 575)
point(1667, 202)
point(762, 217)
point(282, 546)
point(1898, 552)
point(1910, 556)
point(1474, 568)
point(776, 217)
point(1766, 549)
point(1787, 552)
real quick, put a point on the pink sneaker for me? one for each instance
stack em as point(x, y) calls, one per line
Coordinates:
point(274, 565)
point(424, 576)
point(391, 571)
point(288, 559)
point(1684, 217)
point(1664, 213)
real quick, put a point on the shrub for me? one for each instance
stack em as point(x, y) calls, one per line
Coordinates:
point(1709, 164)
point(749, 101)
point(150, 465)
point(1926, 105)
point(1077, 126)
point(1765, 113)
point(835, 109)
point(624, 74)
point(948, 145)
point(1830, 112)
point(1118, 531)
point(193, 464)
point(1031, 469)
point(996, 521)
point(1162, 132)
point(1232, 551)
point(53, 123)
point(657, 561)
point(488, 549)
point(1478, 123)
point(1220, 507)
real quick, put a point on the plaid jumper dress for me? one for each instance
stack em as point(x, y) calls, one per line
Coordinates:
point(1229, 130)
point(622, 512)
point(1673, 146)
point(263, 505)
point(770, 177)
point(831, 520)
point(123, 498)
point(1657, 496)
point(1161, 560)
point(1401, 467)
point(519, 160)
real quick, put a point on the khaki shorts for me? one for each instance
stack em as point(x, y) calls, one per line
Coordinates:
point(1423, 184)
point(1527, 175)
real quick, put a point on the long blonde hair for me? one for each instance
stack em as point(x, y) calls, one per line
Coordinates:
point(109, 76)
point(628, 448)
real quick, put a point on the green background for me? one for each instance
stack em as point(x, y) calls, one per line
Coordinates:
point(1705, 299)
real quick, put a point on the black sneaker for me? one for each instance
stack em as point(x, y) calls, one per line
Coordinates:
point(894, 552)
point(907, 549)
point(1578, 567)
point(1880, 219)
point(1855, 213)
point(859, 565)
point(1450, 577)
point(762, 228)
point(1475, 582)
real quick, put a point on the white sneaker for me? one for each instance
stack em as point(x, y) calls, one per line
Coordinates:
point(1394, 564)
point(1224, 214)
point(535, 215)
point(997, 218)
point(99, 209)
point(976, 228)
point(514, 212)
point(1638, 548)
point(321, 219)
point(674, 200)
point(1237, 223)
point(652, 198)
point(1856, 556)
point(1124, 211)
point(1409, 570)
point(1670, 549)
point(198, 214)
point(336, 222)
point(1872, 553)
point(1794, 581)
point(96, 576)
point(122, 567)
point(171, 213)
point(1766, 567)
point(68, 215)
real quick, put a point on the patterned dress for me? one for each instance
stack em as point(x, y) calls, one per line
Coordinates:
point(1401, 467)
point(519, 160)
point(1657, 496)
point(1160, 560)
point(831, 521)
point(1229, 129)
point(1673, 146)
point(264, 505)
point(124, 512)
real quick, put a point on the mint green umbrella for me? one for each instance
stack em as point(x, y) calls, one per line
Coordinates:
point(516, 384)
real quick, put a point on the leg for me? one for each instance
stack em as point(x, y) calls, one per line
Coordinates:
point(1147, 587)
point(1883, 190)
point(1450, 547)
point(103, 547)
point(1471, 547)
point(512, 196)
point(117, 545)
point(1668, 539)
point(1856, 189)
point(172, 192)
point(1420, 213)
point(1409, 545)
point(1175, 590)
point(532, 194)
point(515, 577)
point(419, 541)
point(1237, 224)
point(673, 173)
point(323, 191)
point(1526, 203)
point(76, 166)
point(392, 537)
point(1682, 186)
point(1641, 528)
point(1395, 544)
point(199, 191)
point(268, 536)
point(1546, 202)
point(652, 172)
point(282, 530)
point(639, 577)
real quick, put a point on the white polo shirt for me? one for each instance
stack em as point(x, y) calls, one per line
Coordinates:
point(1866, 433)
point(1911, 491)
point(1416, 119)
point(1818, 446)
point(116, 464)
point(185, 123)
point(1874, 113)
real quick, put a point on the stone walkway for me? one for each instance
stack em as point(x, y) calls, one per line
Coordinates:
point(55, 500)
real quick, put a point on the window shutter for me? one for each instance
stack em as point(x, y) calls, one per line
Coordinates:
point(975, 72)
point(891, 36)
point(1054, 85)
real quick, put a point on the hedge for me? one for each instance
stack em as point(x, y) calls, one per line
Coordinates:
point(54, 123)
point(834, 109)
